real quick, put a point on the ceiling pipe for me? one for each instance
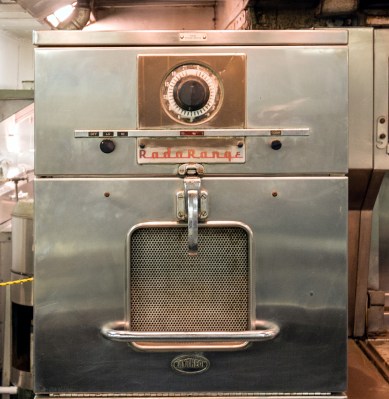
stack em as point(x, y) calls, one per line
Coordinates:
point(79, 17)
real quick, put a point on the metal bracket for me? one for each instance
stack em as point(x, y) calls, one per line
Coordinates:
point(382, 133)
point(181, 206)
point(190, 169)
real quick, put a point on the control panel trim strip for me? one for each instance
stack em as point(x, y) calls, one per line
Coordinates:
point(205, 133)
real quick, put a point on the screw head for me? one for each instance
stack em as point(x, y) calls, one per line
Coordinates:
point(382, 120)
point(382, 135)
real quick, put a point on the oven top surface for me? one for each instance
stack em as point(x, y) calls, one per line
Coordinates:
point(195, 38)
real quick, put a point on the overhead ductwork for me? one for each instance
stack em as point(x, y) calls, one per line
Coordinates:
point(137, 15)
point(79, 17)
point(41, 10)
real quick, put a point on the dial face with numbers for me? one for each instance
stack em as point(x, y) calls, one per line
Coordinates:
point(191, 94)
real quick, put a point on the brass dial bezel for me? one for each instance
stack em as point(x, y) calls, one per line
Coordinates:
point(199, 71)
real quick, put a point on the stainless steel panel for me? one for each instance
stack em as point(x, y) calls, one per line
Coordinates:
point(361, 98)
point(299, 236)
point(381, 93)
point(383, 235)
point(354, 224)
point(21, 293)
point(364, 250)
point(284, 92)
point(22, 238)
point(22, 379)
point(363, 272)
point(213, 38)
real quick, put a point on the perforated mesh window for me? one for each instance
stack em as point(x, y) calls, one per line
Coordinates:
point(172, 291)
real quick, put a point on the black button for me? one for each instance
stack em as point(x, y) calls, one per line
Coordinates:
point(276, 144)
point(107, 146)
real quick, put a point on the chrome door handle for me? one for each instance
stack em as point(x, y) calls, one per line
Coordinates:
point(193, 221)
point(118, 331)
point(192, 188)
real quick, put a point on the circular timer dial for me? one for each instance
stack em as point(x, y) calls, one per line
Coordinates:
point(191, 94)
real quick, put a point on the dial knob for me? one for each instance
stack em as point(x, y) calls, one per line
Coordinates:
point(191, 94)
point(276, 145)
point(107, 146)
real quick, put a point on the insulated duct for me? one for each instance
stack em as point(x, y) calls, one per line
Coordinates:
point(78, 18)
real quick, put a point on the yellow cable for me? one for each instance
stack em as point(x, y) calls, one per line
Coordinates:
point(21, 281)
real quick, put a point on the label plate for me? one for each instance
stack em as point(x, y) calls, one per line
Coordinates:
point(183, 150)
point(190, 364)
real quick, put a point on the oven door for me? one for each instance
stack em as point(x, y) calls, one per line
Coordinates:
point(260, 308)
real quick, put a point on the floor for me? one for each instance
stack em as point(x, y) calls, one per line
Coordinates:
point(365, 382)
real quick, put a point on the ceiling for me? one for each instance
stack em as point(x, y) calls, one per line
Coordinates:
point(15, 21)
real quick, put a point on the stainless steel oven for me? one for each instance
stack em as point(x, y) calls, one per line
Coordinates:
point(191, 213)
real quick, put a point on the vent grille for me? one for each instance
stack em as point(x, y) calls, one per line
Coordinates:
point(172, 291)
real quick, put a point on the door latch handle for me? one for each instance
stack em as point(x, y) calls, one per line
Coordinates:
point(193, 221)
point(192, 207)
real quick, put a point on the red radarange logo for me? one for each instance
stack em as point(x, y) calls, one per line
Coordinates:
point(190, 154)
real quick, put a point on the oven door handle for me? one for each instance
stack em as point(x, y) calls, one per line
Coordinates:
point(118, 331)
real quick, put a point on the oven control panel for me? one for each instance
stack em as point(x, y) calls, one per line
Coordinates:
point(175, 91)
point(238, 110)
